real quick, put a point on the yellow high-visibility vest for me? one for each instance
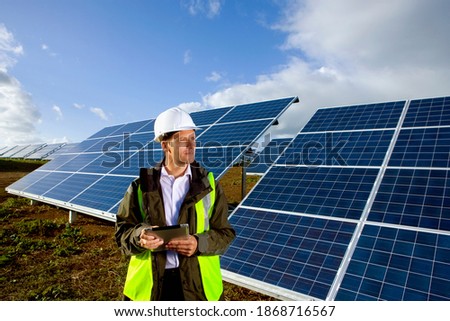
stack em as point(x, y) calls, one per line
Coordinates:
point(139, 281)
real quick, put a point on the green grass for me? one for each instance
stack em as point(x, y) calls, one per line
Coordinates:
point(22, 165)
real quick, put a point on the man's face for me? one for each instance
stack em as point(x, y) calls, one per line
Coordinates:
point(181, 147)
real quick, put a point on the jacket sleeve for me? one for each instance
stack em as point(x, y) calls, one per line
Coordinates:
point(129, 222)
point(216, 240)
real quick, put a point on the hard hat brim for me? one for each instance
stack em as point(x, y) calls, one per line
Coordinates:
point(158, 138)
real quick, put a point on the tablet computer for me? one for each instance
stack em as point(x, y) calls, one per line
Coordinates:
point(168, 233)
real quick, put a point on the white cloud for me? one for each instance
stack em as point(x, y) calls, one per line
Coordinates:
point(99, 112)
point(18, 114)
point(9, 49)
point(187, 57)
point(210, 8)
point(57, 110)
point(46, 48)
point(78, 106)
point(190, 107)
point(214, 77)
point(347, 52)
point(63, 139)
point(379, 34)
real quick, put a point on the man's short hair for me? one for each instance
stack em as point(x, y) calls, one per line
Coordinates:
point(167, 136)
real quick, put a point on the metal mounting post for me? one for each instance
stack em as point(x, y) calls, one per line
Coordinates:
point(72, 216)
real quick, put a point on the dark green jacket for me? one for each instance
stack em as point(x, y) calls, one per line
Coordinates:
point(213, 242)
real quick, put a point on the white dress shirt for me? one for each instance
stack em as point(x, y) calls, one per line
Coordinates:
point(174, 191)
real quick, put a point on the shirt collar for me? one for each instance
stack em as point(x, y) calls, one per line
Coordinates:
point(187, 172)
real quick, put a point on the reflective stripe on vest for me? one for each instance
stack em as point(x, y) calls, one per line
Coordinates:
point(139, 281)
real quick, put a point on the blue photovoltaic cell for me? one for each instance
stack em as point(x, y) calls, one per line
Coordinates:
point(335, 192)
point(422, 147)
point(358, 148)
point(115, 208)
point(102, 164)
point(233, 134)
point(148, 127)
point(104, 144)
point(105, 193)
point(58, 161)
point(28, 180)
point(301, 254)
point(129, 163)
point(261, 110)
point(69, 188)
point(414, 197)
point(46, 183)
point(84, 145)
point(132, 128)
point(78, 162)
point(208, 117)
point(395, 264)
point(428, 112)
point(107, 131)
point(132, 142)
point(373, 116)
point(262, 161)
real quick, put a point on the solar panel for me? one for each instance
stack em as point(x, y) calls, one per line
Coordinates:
point(370, 116)
point(233, 133)
point(422, 147)
point(6, 150)
point(374, 179)
point(3, 149)
point(209, 117)
point(92, 176)
point(14, 150)
point(45, 151)
point(267, 156)
point(61, 150)
point(28, 150)
point(414, 197)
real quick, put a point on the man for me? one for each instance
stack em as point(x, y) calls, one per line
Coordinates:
point(176, 191)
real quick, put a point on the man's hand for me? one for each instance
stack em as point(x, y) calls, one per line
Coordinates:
point(184, 246)
point(149, 242)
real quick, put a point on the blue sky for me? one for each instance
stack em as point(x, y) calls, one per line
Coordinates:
point(71, 68)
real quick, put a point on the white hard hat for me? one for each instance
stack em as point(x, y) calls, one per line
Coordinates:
point(172, 120)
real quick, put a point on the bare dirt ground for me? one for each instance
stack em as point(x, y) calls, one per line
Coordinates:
point(42, 257)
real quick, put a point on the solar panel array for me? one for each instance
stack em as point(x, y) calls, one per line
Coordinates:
point(30, 149)
point(356, 208)
point(10, 152)
point(3, 149)
point(34, 151)
point(93, 175)
point(45, 151)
